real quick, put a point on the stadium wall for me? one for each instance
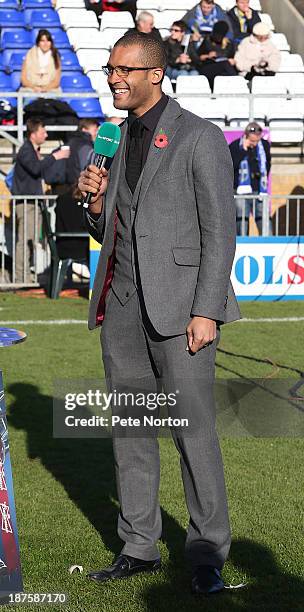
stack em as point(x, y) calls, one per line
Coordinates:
point(287, 19)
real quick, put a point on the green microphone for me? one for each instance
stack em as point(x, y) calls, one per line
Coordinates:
point(105, 146)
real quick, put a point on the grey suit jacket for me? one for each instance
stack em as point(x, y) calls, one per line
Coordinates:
point(185, 225)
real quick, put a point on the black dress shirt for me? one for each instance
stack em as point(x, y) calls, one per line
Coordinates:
point(139, 136)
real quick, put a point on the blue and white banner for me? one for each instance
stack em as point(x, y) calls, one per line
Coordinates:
point(269, 268)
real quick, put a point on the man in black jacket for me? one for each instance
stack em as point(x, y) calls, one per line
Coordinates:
point(252, 163)
point(242, 19)
point(81, 146)
point(179, 57)
point(27, 180)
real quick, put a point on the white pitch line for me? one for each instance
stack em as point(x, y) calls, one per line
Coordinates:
point(84, 322)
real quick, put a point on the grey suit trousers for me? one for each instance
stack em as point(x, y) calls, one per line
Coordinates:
point(133, 350)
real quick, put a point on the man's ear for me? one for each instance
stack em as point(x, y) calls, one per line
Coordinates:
point(157, 76)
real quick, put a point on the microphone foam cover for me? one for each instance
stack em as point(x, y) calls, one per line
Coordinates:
point(107, 140)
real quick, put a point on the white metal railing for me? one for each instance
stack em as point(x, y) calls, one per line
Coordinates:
point(287, 218)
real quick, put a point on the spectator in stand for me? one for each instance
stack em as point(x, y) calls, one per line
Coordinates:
point(243, 19)
point(202, 17)
point(257, 55)
point(145, 25)
point(27, 180)
point(81, 147)
point(215, 56)
point(179, 58)
point(99, 6)
point(252, 163)
point(41, 69)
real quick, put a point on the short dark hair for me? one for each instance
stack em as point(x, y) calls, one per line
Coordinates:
point(154, 50)
point(86, 123)
point(32, 125)
point(180, 24)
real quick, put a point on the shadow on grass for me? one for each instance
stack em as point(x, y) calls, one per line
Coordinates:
point(85, 467)
point(268, 588)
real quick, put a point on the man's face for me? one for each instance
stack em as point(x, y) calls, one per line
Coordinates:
point(134, 91)
point(254, 140)
point(40, 136)
point(145, 25)
point(207, 8)
point(243, 5)
point(92, 130)
point(176, 33)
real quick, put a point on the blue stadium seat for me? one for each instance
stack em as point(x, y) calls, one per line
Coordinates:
point(15, 79)
point(9, 4)
point(69, 60)
point(36, 4)
point(11, 17)
point(86, 107)
point(60, 37)
point(16, 39)
point(6, 83)
point(13, 60)
point(41, 18)
point(76, 82)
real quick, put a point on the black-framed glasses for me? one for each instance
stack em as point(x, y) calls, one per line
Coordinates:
point(175, 30)
point(123, 71)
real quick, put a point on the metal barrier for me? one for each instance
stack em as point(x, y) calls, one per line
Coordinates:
point(24, 252)
point(8, 130)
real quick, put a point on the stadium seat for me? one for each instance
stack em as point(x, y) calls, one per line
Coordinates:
point(237, 112)
point(86, 107)
point(265, 18)
point(99, 82)
point(230, 85)
point(116, 20)
point(6, 83)
point(280, 41)
point(192, 84)
point(206, 108)
point(237, 108)
point(91, 59)
point(167, 86)
point(11, 17)
point(182, 5)
point(13, 60)
point(148, 5)
point(9, 4)
point(16, 79)
point(269, 86)
point(85, 38)
point(164, 19)
point(75, 82)
point(286, 121)
point(79, 18)
point(109, 110)
point(109, 37)
point(16, 39)
point(291, 62)
point(69, 4)
point(41, 18)
point(60, 38)
point(69, 60)
point(36, 4)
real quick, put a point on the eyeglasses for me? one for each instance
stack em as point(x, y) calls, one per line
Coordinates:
point(254, 130)
point(123, 71)
point(175, 30)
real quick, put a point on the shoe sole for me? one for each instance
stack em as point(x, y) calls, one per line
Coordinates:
point(141, 571)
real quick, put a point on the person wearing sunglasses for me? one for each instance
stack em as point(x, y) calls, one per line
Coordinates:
point(179, 52)
point(252, 164)
point(169, 195)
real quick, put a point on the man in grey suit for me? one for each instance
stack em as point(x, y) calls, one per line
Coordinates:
point(166, 207)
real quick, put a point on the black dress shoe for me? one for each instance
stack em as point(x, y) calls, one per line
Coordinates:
point(206, 580)
point(124, 567)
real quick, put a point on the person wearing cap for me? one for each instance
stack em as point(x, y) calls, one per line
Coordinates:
point(243, 19)
point(257, 55)
point(179, 53)
point(252, 163)
point(202, 17)
point(215, 56)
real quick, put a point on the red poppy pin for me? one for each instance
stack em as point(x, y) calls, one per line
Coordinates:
point(161, 140)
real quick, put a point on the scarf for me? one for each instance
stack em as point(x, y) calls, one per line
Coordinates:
point(242, 19)
point(244, 186)
point(204, 23)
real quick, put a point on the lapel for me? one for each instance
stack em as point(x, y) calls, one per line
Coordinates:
point(169, 124)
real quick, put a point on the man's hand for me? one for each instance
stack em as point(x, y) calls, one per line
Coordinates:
point(94, 180)
point(62, 154)
point(248, 13)
point(200, 332)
